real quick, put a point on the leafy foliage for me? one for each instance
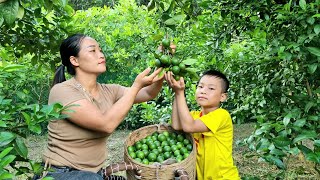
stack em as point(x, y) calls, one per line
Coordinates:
point(18, 118)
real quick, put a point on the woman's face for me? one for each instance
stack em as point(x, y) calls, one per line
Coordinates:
point(90, 58)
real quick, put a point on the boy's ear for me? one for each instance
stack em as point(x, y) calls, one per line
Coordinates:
point(74, 61)
point(224, 97)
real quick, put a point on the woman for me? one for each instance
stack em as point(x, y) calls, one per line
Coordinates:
point(77, 145)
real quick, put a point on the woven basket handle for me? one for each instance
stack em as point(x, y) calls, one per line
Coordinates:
point(123, 166)
point(181, 174)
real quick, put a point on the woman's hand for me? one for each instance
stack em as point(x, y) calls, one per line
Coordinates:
point(175, 85)
point(143, 80)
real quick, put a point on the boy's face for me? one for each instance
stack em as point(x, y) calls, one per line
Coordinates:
point(209, 92)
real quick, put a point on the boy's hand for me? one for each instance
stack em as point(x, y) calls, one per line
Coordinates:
point(175, 85)
point(143, 79)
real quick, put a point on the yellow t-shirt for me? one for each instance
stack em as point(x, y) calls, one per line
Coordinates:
point(214, 148)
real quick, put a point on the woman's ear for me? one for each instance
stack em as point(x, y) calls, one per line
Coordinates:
point(74, 61)
point(224, 97)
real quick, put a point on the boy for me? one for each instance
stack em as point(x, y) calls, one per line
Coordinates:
point(211, 127)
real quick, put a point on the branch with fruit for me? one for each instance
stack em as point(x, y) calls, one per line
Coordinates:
point(165, 58)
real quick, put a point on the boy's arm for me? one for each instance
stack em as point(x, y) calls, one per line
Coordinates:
point(176, 124)
point(187, 122)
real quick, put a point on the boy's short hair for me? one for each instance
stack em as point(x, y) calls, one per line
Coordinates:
point(218, 74)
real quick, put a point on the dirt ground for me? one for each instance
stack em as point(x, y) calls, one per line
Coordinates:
point(249, 167)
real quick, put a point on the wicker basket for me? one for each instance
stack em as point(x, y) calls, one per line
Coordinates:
point(159, 172)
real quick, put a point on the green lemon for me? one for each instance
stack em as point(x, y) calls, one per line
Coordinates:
point(172, 142)
point(180, 138)
point(155, 151)
point(131, 149)
point(132, 155)
point(150, 141)
point(144, 147)
point(160, 158)
point(166, 155)
point(164, 59)
point(179, 145)
point(138, 160)
point(162, 137)
point(167, 148)
point(186, 142)
point(176, 153)
point(166, 133)
point(174, 147)
point(157, 62)
point(184, 150)
point(154, 137)
point(152, 146)
point(138, 145)
point(152, 157)
point(182, 67)
point(143, 141)
point(173, 135)
point(177, 77)
point(166, 42)
point(189, 147)
point(164, 143)
point(145, 161)
point(185, 155)
point(175, 61)
point(160, 149)
point(146, 152)
point(175, 69)
point(157, 143)
point(179, 158)
point(140, 154)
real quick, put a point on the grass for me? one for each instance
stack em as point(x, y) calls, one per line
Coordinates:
point(249, 168)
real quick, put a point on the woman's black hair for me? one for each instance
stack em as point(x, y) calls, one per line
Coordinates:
point(69, 47)
point(220, 75)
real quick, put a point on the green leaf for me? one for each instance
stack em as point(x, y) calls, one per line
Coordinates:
point(316, 16)
point(305, 135)
point(1, 20)
point(189, 61)
point(174, 20)
point(20, 12)
point(35, 128)
point(7, 160)
point(277, 152)
point(308, 106)
point(9, 11)
point(310, 20)
point(300, 122)
point(21, 148)
point(5, 152)
point(317, 28)
point(3, 124)
point(6, 138)
point(313, 118)
point(27, 118)
point(275, 160)
point(314, 50)
point(13, 67)
point(314, 157)
point(286, 119)
point(281, 141)
point(305, 150)
point(6, 175)
point(312, 68)
point(48, 178)
point(151, 5)
point(303, 4)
